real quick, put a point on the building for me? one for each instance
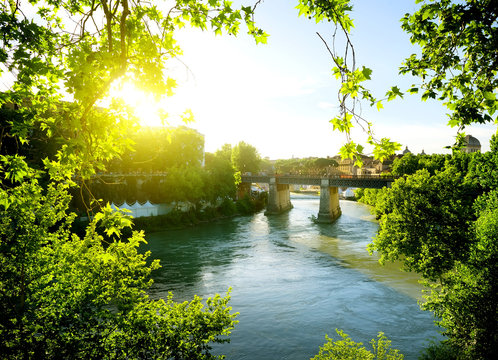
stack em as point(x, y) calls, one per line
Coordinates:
point(370, 166)
point(471, 145)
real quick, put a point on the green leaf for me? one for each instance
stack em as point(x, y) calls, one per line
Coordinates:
point(489, 95)
point(366, 73)
point(393, 93)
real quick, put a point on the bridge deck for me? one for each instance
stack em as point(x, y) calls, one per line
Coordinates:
point(359, 181)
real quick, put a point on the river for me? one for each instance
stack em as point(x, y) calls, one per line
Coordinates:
point(294, 281)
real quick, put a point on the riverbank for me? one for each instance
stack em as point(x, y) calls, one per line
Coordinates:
point(306, 192)
point(317, 193)
point(178, 219)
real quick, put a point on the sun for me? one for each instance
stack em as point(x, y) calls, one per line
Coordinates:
point(168, 111)
point(145, 107)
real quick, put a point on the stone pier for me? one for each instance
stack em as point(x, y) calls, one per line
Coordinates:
point(278, 198)
point(329, 203)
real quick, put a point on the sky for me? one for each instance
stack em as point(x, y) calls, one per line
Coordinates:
point(279, 97)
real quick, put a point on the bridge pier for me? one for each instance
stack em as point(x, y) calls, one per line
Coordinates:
point(278, 198)
point(279, 195)
point(329, 203)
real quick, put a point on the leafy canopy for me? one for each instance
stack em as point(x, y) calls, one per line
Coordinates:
point(443, 225)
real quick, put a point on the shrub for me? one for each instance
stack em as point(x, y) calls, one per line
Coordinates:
point(347, 349)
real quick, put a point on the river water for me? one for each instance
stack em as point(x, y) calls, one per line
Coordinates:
point(294, 281)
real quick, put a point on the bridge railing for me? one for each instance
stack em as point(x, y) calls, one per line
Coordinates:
point(338, 180)
point(324, 176)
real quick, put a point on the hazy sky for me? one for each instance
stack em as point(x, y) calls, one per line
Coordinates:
point(280, 97)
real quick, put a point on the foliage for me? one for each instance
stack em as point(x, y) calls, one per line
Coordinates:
point(409, 164)
point(457, 63)
point(62, 295)
point(370, 197)
point(267, 166)
point(71, 297)
point(484, 169)
point(173, 220)
point(251, 204)
point(445, 226)
point(467, 300)
point(322, 163)
point(227, 207)
point(184, 184)
point(425, 218)
point(439, 351)
point(158, 150)
point(347, 349)
point(245, 158)
point(222, 177)
point(305, 166)
point(216, 181)
point(225, 152)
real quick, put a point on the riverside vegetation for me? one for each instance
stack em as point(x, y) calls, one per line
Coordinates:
point(205, 182)
point(440, 218)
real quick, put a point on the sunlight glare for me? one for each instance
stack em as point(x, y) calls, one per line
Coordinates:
point(175, 110)
point(145, 107)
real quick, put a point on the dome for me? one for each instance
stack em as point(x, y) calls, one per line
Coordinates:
point(472, 141)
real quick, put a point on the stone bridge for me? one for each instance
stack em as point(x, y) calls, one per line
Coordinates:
point(279, 194)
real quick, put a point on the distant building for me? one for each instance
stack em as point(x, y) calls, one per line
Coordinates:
point(346, 166)
point(370, 166)
point(471, 145)
point(406, 151)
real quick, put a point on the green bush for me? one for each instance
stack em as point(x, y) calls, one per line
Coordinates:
point(347, 349)
point(245, 206)
point(227, 207)
point(439, 351)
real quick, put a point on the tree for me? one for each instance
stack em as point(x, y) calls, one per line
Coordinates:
point(409, 164)
point(64, 295)
point(157, 150)
point(225, 152)
point(304, 166)
point(184, 148)
point(457, 63)
point(245, 158)
point(444, 226)
point(221, 177)
point(426, 219)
